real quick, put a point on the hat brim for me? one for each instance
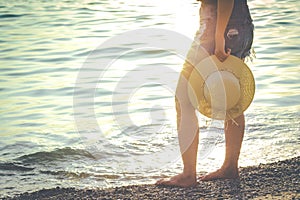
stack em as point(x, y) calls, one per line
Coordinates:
point(212, 64)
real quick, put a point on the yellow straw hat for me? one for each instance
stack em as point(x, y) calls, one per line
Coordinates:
point(221, 90)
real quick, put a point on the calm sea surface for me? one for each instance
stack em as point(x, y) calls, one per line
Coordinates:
point(45, 46)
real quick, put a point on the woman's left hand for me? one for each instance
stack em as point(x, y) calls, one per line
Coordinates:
point(220, 49)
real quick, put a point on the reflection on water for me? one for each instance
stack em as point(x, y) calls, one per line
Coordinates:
point(44, 45)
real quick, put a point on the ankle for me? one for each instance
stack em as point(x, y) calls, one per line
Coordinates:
point(230, 167)
point(189, 173)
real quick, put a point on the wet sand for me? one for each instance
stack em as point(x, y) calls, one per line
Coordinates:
point(279, 180)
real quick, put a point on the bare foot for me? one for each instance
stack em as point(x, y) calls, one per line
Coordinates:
point(221, 173)
point(180, 180)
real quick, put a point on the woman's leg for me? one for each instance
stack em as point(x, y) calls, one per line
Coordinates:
point(188, 134)
point(234, 133)
point(187, 122)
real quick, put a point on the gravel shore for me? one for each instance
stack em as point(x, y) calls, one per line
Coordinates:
point(279, 180)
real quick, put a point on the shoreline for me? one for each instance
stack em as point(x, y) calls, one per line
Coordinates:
point(266, 181)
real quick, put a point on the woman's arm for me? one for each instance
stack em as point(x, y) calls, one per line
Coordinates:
point(224, 12)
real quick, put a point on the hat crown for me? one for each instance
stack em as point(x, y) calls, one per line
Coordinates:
point(222, 90)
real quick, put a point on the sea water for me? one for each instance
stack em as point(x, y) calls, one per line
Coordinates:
point(126, 133)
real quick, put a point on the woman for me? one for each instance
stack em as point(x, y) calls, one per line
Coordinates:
point(225, 28)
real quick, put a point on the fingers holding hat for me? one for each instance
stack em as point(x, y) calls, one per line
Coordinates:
point(220, 51)
point(222, 55)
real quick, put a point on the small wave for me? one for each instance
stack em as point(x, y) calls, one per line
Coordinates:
point(74, 175)
point(14, 167)
point(11, 16)
point(56, 155)
point(79, 175)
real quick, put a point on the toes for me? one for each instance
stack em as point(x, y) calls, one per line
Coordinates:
point(219, 175)
point(208, 178)
point(164, 182)
point(204, 178)
point(212, 176)
point(179, 181)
